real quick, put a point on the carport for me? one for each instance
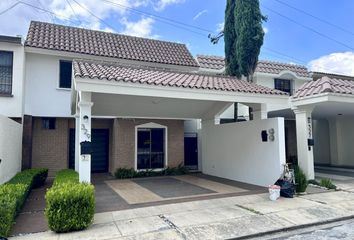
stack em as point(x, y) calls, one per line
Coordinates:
point(324, 111)
point(110, 90)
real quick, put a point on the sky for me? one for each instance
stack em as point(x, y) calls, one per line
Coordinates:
point(316, 33)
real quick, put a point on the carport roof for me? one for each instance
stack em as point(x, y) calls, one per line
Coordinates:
point(157, 77)
point(325, 85)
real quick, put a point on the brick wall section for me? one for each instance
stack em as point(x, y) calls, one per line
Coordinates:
point(50, 147)
point(124, 141)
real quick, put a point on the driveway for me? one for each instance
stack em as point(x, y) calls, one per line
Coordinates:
point(116, 195)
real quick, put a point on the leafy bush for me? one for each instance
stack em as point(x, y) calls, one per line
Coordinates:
point(123, 173)
point(66, 175)
point(13, 195)
point(327, 183)
point(300, 180)
point(70, 205)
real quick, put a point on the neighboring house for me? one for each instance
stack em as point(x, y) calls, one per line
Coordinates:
point(281, 76)
point(144, 104)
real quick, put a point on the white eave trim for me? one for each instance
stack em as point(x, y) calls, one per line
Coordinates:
point(296, 77)
point(137, 89)
point(323, 97)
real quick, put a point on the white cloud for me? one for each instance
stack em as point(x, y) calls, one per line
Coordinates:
point(200, 14)
point(340, 63)
point(265, 30)
point(220, 27)
point(162, 4)
point(141, 28)
point(20, 16)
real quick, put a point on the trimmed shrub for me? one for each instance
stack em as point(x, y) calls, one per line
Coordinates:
point(300, 180)
point(327, 183)
point(66, 175)
point(122, 173)
point(13, 195)
point(70, 205)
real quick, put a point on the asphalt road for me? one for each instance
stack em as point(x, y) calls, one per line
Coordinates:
point(343, 230)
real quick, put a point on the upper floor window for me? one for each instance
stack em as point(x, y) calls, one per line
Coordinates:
point(6, 62)
point(283, 85)
point(65, 68)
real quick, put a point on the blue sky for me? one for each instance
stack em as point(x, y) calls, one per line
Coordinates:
point(285, 41)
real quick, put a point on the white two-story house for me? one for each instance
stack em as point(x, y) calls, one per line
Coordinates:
point(143, 104)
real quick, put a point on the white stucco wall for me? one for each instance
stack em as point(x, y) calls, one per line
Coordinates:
point(236, 151)
point(13, 106)
point(341, 140)
point(321, 149)
point(42, 94)
point(10, 148)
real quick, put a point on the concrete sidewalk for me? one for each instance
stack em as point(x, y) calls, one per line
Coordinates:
point(222, 218)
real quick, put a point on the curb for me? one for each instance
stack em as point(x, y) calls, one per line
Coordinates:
point(293, 228)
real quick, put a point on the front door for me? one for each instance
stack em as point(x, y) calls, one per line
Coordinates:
point(191, 151)
point(100, 148)
point(151, 148)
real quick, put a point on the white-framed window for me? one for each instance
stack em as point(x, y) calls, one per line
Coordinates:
point(150, 146)
point(284, 85)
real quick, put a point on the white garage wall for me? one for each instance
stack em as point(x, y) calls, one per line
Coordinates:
point(10, 148)
point(236, 151)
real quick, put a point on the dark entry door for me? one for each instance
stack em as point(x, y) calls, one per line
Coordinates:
point(191, 151)
point(100, 147)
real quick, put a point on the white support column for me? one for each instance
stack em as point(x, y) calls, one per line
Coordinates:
point(85, 105)
point(303, 133)
point(77, 142)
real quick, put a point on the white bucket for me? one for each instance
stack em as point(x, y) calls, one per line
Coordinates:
point(274, 192)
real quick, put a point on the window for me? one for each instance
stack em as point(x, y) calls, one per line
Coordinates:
point(6, 62)
point(65, 74)
point(48, 123)
point(283, 85)
point(151, 148)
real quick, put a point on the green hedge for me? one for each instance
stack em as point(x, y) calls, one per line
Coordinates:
point(66, 175)
point(123, 173)
point(13, 195)
point(70, 204)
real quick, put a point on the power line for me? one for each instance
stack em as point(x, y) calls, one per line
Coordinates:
point(309, 28)
point(158, 17)
point(9, 8)
point(315, 17)
point(72, 9)
point(100, 19)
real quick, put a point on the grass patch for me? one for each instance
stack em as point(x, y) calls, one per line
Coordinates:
point(327, 183)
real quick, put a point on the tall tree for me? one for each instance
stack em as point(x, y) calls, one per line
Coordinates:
point(230, 37)
point(250, 34)
point(243, 36)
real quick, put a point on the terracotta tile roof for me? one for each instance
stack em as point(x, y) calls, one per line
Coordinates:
point(264, 66)
point(325, 85)
point(111, 72)
point(98, 43)
point(211, 62)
